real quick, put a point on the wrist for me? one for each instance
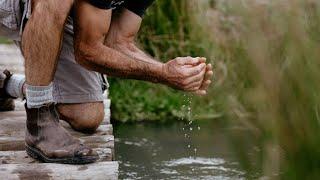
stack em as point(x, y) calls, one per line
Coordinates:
point(159, 75)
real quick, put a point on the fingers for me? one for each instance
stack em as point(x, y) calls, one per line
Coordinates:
point(195, 81)
point(205, 85)
point(209, 73)
point(188, 60)
point(203, 60)
point(191, 61)
point(200, 92)
point(194, 70)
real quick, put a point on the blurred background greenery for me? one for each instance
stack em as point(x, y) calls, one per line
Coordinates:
point(266, 59)
point(266, 56)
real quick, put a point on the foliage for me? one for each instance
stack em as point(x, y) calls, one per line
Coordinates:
point(169, 30)
point(266, 56)
point(271, 51)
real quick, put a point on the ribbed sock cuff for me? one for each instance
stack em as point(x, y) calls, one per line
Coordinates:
point(14, 86)
point(38, 96)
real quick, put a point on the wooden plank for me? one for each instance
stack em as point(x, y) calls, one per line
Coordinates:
point(12, 136)
point(16, 127)
point(95, 171)
point(13, 115)
point(18, 157)
point(17, 143)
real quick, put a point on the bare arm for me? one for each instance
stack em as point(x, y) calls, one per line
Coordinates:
point(122, 34)
point(92, 26)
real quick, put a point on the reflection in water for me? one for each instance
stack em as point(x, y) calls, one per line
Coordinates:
point(153, 151)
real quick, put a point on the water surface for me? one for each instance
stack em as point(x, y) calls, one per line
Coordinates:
point(153, 151)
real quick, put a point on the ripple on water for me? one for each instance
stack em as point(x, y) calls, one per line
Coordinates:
point(195, 161)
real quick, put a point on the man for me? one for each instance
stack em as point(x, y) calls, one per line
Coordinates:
point(103, 43)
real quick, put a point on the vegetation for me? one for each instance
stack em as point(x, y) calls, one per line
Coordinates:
point(169, 30)
point(266, 56)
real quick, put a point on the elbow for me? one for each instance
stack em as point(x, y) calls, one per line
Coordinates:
point(86, 53)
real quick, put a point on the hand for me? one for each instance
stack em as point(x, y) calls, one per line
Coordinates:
point(206, 81)
point(185, 73)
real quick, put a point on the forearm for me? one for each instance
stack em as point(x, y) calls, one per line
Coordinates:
point(109, 61)
point(131, 50)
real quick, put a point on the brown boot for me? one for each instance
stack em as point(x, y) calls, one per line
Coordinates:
point(48, 141)
point(6, 102)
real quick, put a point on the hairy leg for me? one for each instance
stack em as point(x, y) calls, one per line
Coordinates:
point(41, 39)
point(85, 117)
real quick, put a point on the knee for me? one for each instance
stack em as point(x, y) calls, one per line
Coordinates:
point(85, 118)
point(54, 11)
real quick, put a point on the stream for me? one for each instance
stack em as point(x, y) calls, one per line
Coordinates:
point(162, 151)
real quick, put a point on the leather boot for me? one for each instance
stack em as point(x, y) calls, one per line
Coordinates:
point(6, 102)
point(48, 141)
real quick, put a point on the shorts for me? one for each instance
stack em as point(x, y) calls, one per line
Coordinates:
point(72, 82)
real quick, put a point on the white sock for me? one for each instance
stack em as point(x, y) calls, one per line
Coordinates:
point(38, 96)
point(14, 86)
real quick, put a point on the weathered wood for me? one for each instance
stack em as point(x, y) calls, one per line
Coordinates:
point(18, 157)
point(16, 164)
point(10, 126)
point(17, 143)
point(95, 171)
point(12, 131)
point(13, 115)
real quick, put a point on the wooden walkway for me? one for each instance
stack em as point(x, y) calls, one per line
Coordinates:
point(15, 163)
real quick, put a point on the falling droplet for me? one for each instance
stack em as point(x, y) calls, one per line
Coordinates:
point(191, 129)
point(189, 146)
point(199, 128)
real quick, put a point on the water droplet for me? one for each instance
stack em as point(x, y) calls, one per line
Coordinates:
point(199, 128)
point(191, 129)
point(189, 146)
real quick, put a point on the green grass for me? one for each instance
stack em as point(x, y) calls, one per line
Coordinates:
point(267, 79)
point(271, 51)
point(168, 31)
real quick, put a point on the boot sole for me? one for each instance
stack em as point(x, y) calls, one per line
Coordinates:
point(38, 155)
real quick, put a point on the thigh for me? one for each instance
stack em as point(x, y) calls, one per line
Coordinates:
point(72, 82)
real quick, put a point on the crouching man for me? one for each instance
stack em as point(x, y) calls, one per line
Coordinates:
point(63, 61)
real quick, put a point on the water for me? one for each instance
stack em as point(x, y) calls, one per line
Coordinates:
point(153, 151)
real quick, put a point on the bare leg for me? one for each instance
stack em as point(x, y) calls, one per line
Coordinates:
point(46, 140)
point(85, 117)
point(41, 40)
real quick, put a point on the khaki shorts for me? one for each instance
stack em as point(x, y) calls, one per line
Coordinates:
point(72, 82)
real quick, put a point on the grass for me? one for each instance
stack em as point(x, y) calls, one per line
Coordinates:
point(168, 31)
point(266, 58)
point(271, 51)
